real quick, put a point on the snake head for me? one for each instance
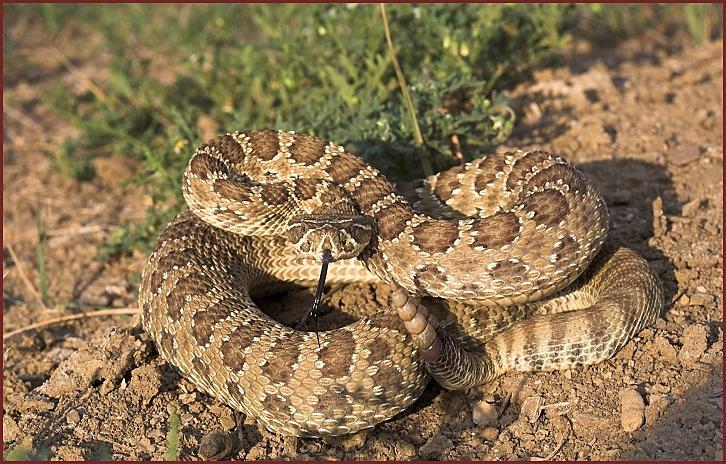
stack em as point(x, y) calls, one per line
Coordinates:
point(344, 235)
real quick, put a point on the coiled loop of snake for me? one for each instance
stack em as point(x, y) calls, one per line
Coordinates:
point(498, 239)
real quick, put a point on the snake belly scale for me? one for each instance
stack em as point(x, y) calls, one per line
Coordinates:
point(511, 243)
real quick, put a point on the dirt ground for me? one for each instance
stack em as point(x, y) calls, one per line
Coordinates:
point(643, 120)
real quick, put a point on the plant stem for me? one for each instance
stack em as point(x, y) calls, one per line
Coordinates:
point(406, 96)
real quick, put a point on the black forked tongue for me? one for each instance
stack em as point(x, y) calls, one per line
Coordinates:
point(318, 295)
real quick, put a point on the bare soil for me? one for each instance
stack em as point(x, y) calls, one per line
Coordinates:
point(644, 120)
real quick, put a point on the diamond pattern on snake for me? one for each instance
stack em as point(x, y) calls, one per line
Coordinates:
point(513, 245)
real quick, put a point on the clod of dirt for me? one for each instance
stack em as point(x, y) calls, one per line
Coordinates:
point(145, 384)
point(695, 343)
point(10, 429)
point(436, 447)
point(106, 360)
point(484, 413)
point(532, 408)
point(632, 410)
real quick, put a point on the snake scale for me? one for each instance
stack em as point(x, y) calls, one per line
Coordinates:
point(511, 244)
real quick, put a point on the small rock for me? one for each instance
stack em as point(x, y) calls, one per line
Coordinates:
point(437, 446)
point(701, 289)
point(690, 208)
point(695, 343)
point(218, 445)
point(484, 413)
point(632, 410)
point(684, 154)
point(684, 300)
point(700, 299)
point(73, 417)
point(225, 416)
point(489, 433)
point(532, 408)
point(187, 398)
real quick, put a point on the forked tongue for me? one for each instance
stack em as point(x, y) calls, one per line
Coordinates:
point(318, 295)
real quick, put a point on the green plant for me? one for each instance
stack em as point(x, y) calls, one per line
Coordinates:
point(172, 436)
point(321, 69)
point(42, 278)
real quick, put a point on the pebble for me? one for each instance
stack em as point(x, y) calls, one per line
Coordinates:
point(227, 423)
point(684, 154)
point(73, 417)
point(484, 412)
point(489, 433)
point(632, 410)
point(695, 343)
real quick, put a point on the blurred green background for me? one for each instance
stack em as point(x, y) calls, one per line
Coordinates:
point(174, 70)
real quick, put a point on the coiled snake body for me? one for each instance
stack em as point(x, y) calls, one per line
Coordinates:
point(511, 243)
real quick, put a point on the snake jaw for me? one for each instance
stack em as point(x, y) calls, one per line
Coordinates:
point(342, 236)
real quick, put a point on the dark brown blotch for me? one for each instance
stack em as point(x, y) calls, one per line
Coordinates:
point(203, 164)
point(275, 193)
point(488, 169)
point(166, 344)
point(446, 182)
point(305, 189)
point(226, 148)
point(204, 320)
point(337, 354)
point(234, 389)
point(435, 236)
point(244, 335)
point(307, 150)
point(190, 285)
point(344, 167)
point(278, 367)
point(233, 190)
point(391, 221)
point(276, 404)
point(156, 280)
point(370, 191)
point(201, 368)
point(177, 259)
point(495, 231)
point(549, 207)
point(567, 246)
point(524, 166)
point(265, 144)
point(506, 269)
point(390, 378)
point(569, 175)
